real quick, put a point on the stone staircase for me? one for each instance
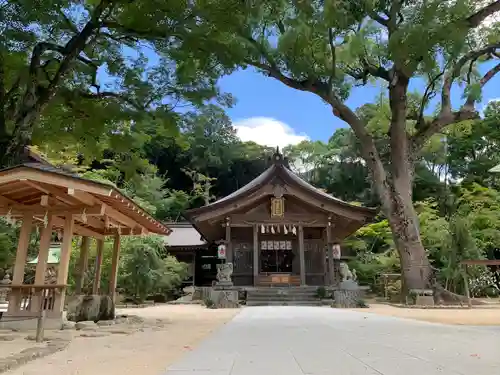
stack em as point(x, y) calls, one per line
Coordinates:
point(283, 296)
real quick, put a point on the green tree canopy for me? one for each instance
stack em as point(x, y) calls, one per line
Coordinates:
point(86, 69)
point(327, 47)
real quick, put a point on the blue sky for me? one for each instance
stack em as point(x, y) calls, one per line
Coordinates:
point(269, 112)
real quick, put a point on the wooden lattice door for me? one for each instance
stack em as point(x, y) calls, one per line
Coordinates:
point(243, 263)
point(315, 261)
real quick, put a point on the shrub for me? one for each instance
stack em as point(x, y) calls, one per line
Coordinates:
point(321, 292)
point(360, 303)
point(394, 291)
point(209, 304)
point(144, 272)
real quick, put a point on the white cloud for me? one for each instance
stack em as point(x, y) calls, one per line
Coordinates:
point(267, 131)
point(483, 107)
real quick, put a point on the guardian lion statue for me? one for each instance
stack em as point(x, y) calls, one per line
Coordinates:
point(224, 272)
point(346, 273)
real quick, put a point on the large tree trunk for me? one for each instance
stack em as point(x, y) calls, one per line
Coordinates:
point(12, 147)
point(397, 192)
point(415, 266)
point(397, 205)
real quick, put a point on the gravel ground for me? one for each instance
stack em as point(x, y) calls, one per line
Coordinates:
point(12, 343)
point(146, 352)
point(477, 316)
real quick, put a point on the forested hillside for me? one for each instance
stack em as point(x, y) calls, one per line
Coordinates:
point(456, 195)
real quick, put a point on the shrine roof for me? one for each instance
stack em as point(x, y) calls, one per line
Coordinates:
point(184, 235)
point(53, 257)
point(278, 169)
point(99, 208)
point(495, 169)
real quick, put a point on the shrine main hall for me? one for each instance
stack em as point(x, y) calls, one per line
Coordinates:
point(277, 230)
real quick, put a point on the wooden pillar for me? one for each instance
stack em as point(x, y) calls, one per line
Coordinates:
point(114, 267)
point(324, 254)
point(255, 254)
point(41, 266)
point(82, 265)
point(43, 253)
point(22, 249)
point(302, 256)
point(194, 267)
point(20, 263)
point(98, 264)
point(229, 245)
point(331, 271)
point(62, 271)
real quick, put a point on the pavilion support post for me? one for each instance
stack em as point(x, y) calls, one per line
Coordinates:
point(324, 255)
point(82, 265)
point(302, 256)
point(43, 253)
point(229, 244)
point(466, 285)
point(255, 254)
point(194, 268)
point(62, 271)
point(41, 266)
point(114, 268)
point(329, 246)
point(98, 264)
point(20, 263)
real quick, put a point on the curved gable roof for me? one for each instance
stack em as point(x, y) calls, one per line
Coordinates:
point(278, 169)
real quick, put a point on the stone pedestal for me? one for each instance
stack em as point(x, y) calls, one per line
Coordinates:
point(348, 295)
point(348, 285)
point(421, 297)
point(224, 299)
point(424, 301)
point(223, 284)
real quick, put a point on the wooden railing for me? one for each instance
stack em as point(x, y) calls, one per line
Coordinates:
point(30, 299)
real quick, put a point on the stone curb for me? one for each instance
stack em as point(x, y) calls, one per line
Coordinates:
point(30, 354)
point(197, 302)
point(134, 306)
point(436, 307)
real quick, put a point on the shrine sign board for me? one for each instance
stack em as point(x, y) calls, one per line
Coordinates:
point(277, 207)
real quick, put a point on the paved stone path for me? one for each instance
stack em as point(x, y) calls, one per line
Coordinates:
point(319, 341)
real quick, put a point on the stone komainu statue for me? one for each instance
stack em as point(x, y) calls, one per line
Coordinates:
point(346, 273)
point(4, 290)
point(224, 272)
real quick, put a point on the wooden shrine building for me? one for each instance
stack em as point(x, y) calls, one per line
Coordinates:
point(279, 229)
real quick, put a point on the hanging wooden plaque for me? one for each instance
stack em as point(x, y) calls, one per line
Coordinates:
point(277, 207)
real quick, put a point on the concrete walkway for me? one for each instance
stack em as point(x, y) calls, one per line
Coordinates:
point(319, 341)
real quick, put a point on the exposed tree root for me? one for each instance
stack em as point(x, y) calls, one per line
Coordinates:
point(445, 297)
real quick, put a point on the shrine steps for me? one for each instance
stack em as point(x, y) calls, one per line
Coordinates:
point(283, 297)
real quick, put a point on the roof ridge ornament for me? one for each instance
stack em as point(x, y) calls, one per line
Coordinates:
point(279, 159)
point(278, 156)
